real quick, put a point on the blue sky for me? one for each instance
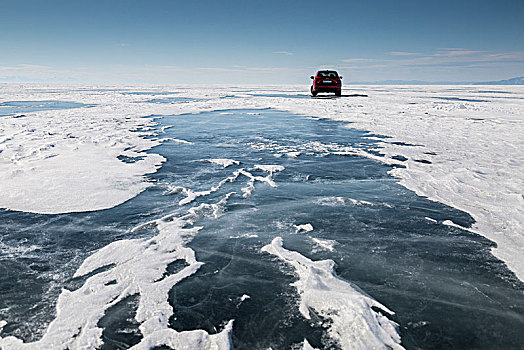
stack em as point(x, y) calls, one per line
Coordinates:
point(234, 42)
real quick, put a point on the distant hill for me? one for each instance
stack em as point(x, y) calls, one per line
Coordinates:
point(512, 81)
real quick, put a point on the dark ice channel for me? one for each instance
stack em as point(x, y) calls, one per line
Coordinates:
point(445, 287)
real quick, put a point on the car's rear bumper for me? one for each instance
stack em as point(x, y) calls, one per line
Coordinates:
point(327, 88)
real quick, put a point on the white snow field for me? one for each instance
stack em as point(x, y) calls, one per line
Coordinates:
point(460, 145)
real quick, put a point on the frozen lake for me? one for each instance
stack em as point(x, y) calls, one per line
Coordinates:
point(245, 177)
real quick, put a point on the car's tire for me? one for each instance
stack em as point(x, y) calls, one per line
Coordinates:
point(338, 93)
point(313, 92)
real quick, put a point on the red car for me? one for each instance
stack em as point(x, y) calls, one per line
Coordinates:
point(326, 81)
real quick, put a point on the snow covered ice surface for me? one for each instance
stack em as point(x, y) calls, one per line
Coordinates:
point(196, 182)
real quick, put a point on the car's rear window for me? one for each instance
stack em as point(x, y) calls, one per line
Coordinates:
point(327, 74)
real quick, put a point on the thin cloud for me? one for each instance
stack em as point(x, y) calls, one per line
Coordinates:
point(221, 69)
point(366, 66)
point(448, 57)
point(287, 53)
point(24, 67)
point(247, 69)
point(39, 73)
point(514, 55)
point(402, 53)
point(270, 69)
point(456, 52)
point(167, 68)
point(351, 60)
point(452, 49)
point(442, 63)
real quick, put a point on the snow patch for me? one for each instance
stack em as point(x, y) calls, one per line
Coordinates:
point(359, 202)
point(293, 154)
point(224, 162)
point(192, 195)
point(269, 168)
point(327, 244)
point(303, 228)
point(179, 140)
point(355, 324)
point(452, 224)
point(248, 190)
point(307, 346)
point(332, 201)
point(72, 178)
point(245, 235)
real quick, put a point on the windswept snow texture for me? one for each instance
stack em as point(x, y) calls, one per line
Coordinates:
point(195, 188)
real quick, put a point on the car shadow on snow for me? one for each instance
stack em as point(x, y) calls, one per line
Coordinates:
point(307, 96)
point(327, 97)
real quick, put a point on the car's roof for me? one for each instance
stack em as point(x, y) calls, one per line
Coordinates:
point(327, 70)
